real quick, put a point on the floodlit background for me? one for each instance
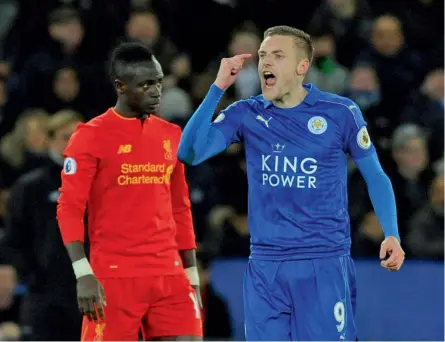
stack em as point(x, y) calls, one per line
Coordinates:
point(385, 55)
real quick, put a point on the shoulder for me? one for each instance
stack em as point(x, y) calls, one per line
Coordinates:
point(249, 104)
point(91, 129)
point(339, 107)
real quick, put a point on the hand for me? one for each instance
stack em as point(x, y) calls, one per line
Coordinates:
point(8, 282)
point(91, 298)
point(391, 246)
point(228, 70)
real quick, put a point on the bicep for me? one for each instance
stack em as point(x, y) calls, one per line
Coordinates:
point(79, 167)
point(229, 123)
point(358, 142)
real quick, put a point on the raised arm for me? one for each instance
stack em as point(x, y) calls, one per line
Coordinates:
point(201, 140)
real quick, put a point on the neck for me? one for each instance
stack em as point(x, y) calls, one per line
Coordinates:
point(292, 98)
point(408, 174)
point(125, 111)
point(55, 157)
point(346, 11)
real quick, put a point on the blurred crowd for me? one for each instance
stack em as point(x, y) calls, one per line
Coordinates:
point(387, 56)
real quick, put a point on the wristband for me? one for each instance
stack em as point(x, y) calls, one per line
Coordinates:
point(193, 275)
point(82, 268)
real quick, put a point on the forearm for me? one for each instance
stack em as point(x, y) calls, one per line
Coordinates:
point(381, 194)
point(200, 140)
point(188, 258)
point(76, 252)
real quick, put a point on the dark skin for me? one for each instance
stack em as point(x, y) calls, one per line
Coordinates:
point(139, 89)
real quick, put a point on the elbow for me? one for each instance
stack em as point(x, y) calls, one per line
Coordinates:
point(71, 226)
point(183, 154)
point(188, 158)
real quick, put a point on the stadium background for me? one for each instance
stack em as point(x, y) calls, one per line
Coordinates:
point(385, 55)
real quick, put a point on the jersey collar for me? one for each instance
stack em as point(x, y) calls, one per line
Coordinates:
point(310, 99)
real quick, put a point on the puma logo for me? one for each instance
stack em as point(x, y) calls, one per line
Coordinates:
point(266, 122)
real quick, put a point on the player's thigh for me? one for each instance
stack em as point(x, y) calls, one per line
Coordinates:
point(175, 314)
point(323, 300)
point(266, 305)
point(123, 312)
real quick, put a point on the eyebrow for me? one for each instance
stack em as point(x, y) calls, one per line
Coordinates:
point(274, 51)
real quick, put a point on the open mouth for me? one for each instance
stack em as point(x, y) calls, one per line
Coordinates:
point(269, 79)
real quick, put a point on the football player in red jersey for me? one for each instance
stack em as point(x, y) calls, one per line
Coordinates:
point(142, 245)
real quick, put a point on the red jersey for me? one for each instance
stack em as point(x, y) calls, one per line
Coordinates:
point(139, 215)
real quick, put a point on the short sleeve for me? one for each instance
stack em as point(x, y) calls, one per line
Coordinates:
point(230, 122)
point(357, 139)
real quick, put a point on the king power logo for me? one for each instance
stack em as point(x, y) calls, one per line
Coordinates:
point(279, 170)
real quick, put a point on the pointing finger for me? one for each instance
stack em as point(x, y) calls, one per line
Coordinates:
point(244, 56)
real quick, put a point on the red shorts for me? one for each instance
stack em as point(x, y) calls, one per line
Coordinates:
point(162, 306)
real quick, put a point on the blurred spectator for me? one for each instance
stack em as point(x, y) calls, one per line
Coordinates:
point(176, 106)
point(66, 34)
point(424, 24)
point(411, 176)
point(144, 26)
point(32, 249)
point(66, 89)
point(9, 108)
point(228, 233)
point(4, 194)
point(21, 150)
point(235, 241)
point(215, 315)
point(8, 12)
point(9, 331)
point(426, 228)
point(245, 40)
point(426, 109)
point(349, 23)
point(364, 89)
point(398, 68)
point(325, 72)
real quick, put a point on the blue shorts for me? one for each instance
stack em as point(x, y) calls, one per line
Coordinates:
point(300, 300)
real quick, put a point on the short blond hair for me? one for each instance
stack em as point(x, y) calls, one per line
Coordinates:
point(302, 39)
point(61, 119)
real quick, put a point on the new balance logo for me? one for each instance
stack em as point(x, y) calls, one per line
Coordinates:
point(124, 149)
point(263, 120)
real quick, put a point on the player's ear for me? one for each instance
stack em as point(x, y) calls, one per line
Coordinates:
point(303, 67)
point(120, 86)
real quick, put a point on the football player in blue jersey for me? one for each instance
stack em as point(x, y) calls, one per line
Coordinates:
point(300, 280)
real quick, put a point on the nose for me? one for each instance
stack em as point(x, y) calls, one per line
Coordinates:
point(154, 92)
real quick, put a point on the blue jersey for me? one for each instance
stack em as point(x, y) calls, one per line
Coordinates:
point(297, 171)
